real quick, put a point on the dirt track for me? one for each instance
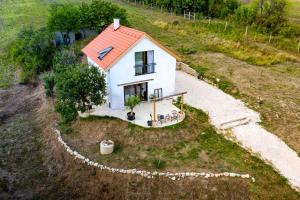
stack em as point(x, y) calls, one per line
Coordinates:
point(34, 165)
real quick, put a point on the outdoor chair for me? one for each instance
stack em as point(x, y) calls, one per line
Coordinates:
point(174, 115)
point(161, 118)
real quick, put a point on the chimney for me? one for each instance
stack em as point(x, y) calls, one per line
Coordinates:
point(116, 24)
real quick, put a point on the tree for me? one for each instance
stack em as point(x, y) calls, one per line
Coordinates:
point(64, 17)
point(63, 60)
point(98, 14)
point(273, 15)
point(78, 89)
point(131, 102)
point(33, 50)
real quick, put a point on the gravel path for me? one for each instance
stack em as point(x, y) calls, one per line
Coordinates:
point(227, 112)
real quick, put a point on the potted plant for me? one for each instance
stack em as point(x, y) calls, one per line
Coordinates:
point(131, 102)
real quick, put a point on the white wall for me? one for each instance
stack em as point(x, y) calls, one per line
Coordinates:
point(92, 63)
point(124, 72)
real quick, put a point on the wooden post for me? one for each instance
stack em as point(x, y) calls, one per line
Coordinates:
point(270, 37)
point(184, 14)
point(299, 46)
point(189, 15)
point(209, 21)
point(181, 104)
point(154, 112)
point(246, 32)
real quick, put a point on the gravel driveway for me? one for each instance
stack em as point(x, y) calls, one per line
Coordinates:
point(227, 112)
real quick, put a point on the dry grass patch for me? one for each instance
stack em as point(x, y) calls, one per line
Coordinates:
point(192, 145)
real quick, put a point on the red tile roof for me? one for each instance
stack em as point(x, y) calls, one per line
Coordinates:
point(121, 40)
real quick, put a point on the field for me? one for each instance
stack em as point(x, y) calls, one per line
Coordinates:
point(267, 76)
point(192, 145)
point(294, 11)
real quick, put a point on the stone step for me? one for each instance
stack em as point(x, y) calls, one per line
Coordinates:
point(234, 123)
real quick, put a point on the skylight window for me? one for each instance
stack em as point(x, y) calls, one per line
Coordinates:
point(104, 52)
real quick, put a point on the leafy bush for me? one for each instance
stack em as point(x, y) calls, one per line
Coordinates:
point(64, 17)
point(78, 89)
point(93, 16)
point(98, 14)
point(131, 102)
point(245, 15)
point(201, 71)
point(33, 52)
point(49, 83)
point(64, 60)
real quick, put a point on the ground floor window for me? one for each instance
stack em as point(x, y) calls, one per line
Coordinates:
point(140, 90)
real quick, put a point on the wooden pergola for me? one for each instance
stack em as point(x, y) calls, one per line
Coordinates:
point(167, 97)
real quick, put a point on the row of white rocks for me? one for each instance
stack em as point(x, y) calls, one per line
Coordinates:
point(144, 173)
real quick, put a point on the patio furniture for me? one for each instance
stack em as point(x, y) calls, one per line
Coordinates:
point(174, 115)
point(161, 118)
point(168, 118)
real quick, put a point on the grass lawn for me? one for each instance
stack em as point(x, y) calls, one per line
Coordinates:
point(294, 10)
point(235, 62)
point(13, 16)
point(192, 145)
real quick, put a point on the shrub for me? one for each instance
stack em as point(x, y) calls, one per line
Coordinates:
point(64, 60)
point(93, 16)
point(49, 83)
point(33, 52)
point(64, 17)
point(78, 89)
point(98, 14)
point(131, 102)
point(245, 15)
point(201, 71)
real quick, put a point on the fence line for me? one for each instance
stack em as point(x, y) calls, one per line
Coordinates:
point(192, 16)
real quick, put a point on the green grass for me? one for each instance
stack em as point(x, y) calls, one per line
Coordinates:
point(294, 10)
point(192, 145)
point(177, 33)
point(13, 16)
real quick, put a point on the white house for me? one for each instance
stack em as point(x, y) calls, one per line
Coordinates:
point(134, 64)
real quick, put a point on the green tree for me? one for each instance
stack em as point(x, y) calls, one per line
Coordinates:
point(98, 14)
point(33, 51)
point(272, 15)
point(63, 60)
point(131, 102)
point(64, 17)
point(78, 89)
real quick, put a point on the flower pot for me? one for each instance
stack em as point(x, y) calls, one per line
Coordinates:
point(84, 115)
point(149, 123)
point(106, 147)
point(131, 116)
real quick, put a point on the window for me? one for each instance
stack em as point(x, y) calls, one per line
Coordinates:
point(144, 62)
point(104, 52)
point(158, 92)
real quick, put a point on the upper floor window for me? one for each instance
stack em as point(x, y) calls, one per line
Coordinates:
point(144, 62)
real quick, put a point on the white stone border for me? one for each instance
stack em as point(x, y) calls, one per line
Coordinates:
point(144, 173)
